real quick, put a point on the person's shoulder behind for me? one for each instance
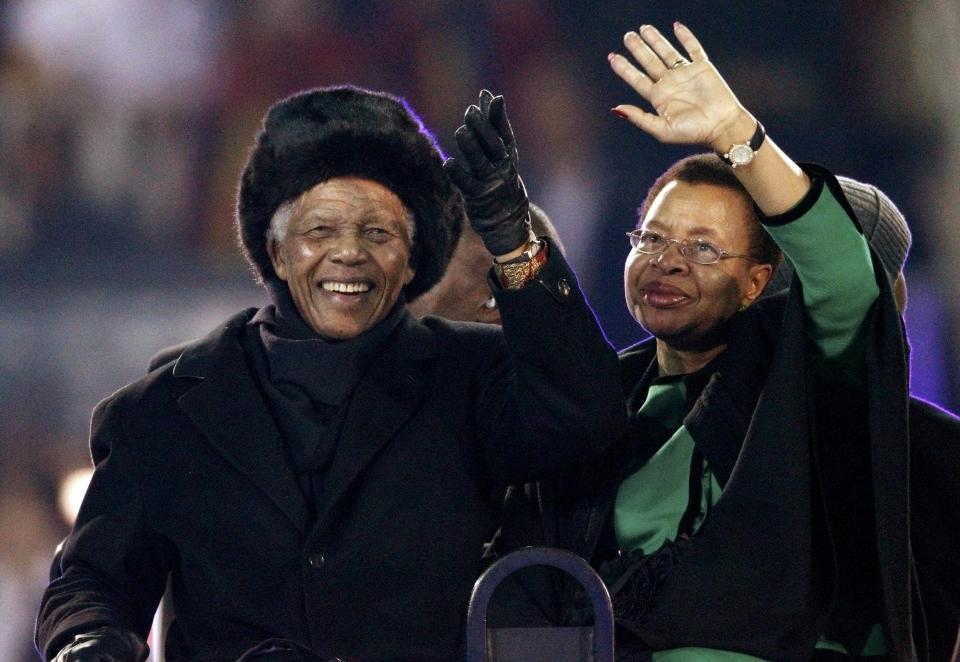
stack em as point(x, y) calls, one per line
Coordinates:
point(934, 442)
point(928, 412)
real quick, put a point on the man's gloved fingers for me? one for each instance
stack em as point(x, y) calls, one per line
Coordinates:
point(487, 135)
point(486, 96)
point(477, 160)
point(462, 179)
point(497, 116)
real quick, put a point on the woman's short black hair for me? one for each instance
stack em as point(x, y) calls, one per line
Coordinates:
point(708, 168)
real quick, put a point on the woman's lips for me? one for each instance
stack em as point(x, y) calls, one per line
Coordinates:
point(659, 295)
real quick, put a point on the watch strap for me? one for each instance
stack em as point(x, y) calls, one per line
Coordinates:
point(754, 144)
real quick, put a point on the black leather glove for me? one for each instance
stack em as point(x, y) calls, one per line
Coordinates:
point(104, 644)
point(494, 195)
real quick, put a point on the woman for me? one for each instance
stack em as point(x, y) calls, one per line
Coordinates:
point(738, 518)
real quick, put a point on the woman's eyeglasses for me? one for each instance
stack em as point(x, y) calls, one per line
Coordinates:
point(694, 250)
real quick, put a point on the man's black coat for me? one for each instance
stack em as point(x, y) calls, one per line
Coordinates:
point(192, 478)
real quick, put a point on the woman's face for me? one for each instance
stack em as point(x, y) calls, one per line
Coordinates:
point(345, 255)
point(683, 303)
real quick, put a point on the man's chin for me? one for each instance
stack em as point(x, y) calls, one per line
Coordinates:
point(336, 330)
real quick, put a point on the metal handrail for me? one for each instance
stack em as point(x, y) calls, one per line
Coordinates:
point(568, 562)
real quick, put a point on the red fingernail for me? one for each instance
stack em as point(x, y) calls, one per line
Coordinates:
point(618, 112)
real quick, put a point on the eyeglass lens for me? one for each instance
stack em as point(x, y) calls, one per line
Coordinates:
point(696, 250)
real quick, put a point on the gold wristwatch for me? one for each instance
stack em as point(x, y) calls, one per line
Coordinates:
point(741, 154)
point(517, 272)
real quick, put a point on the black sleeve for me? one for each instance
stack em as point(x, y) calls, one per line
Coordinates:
point(113, 570)
point(554, 399)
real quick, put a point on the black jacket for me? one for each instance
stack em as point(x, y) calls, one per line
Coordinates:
point(814, 512)
point(192, 479)
point(935, 520)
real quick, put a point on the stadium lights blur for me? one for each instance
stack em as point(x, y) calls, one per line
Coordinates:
point(72, 488)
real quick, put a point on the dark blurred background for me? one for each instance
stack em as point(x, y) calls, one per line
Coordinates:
point(124, 125)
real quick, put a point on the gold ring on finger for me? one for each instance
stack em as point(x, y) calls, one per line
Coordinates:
point(677, 63)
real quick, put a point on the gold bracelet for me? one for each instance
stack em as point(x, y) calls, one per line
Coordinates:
point(521, 270)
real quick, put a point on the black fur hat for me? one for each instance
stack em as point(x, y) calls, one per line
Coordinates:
point(322, 133)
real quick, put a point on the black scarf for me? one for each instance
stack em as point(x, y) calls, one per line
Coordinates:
point(307, 380)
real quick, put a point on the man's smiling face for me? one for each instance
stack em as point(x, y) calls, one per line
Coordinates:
point(344, 253)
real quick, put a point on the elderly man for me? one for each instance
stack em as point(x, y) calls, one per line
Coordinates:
point(317, 471)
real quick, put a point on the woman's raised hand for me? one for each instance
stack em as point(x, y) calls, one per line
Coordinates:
point(692, 103)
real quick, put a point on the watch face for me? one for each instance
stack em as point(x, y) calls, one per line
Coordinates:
point(740, 155)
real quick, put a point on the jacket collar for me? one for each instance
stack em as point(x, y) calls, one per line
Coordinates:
point(228, 408)
point(726, 390)
point(200, 358)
